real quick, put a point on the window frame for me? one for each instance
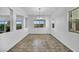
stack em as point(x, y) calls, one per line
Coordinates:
point(73, 21)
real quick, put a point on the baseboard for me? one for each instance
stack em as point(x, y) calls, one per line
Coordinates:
point(39, 33)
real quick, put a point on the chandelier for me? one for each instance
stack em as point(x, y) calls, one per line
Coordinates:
point(39, 13)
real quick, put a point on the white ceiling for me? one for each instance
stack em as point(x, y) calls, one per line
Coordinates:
point(44, 10)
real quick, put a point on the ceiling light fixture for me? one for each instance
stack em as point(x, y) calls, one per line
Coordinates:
point(39, 12)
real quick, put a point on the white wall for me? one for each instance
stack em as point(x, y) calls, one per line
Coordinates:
point(8, 40)
point(61, 32)
point(33, 30)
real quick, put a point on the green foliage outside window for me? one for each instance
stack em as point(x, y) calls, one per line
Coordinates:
point(1, 28)
point(19, 26)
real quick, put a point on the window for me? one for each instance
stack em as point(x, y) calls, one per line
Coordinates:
point(18, 24)
point(2, 26)
point(74, 20)
point(39, 23)
point(4, 23)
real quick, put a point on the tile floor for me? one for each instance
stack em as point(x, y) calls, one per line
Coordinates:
point(39, 43)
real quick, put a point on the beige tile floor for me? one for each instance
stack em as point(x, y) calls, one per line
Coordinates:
point(39, 43)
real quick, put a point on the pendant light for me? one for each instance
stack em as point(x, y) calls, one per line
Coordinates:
point(39, 13)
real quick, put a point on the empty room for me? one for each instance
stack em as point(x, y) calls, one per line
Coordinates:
point(39, 29)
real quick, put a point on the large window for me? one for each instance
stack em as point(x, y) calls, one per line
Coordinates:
point(39, 23)
point(4, 26)
point(74, 20)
